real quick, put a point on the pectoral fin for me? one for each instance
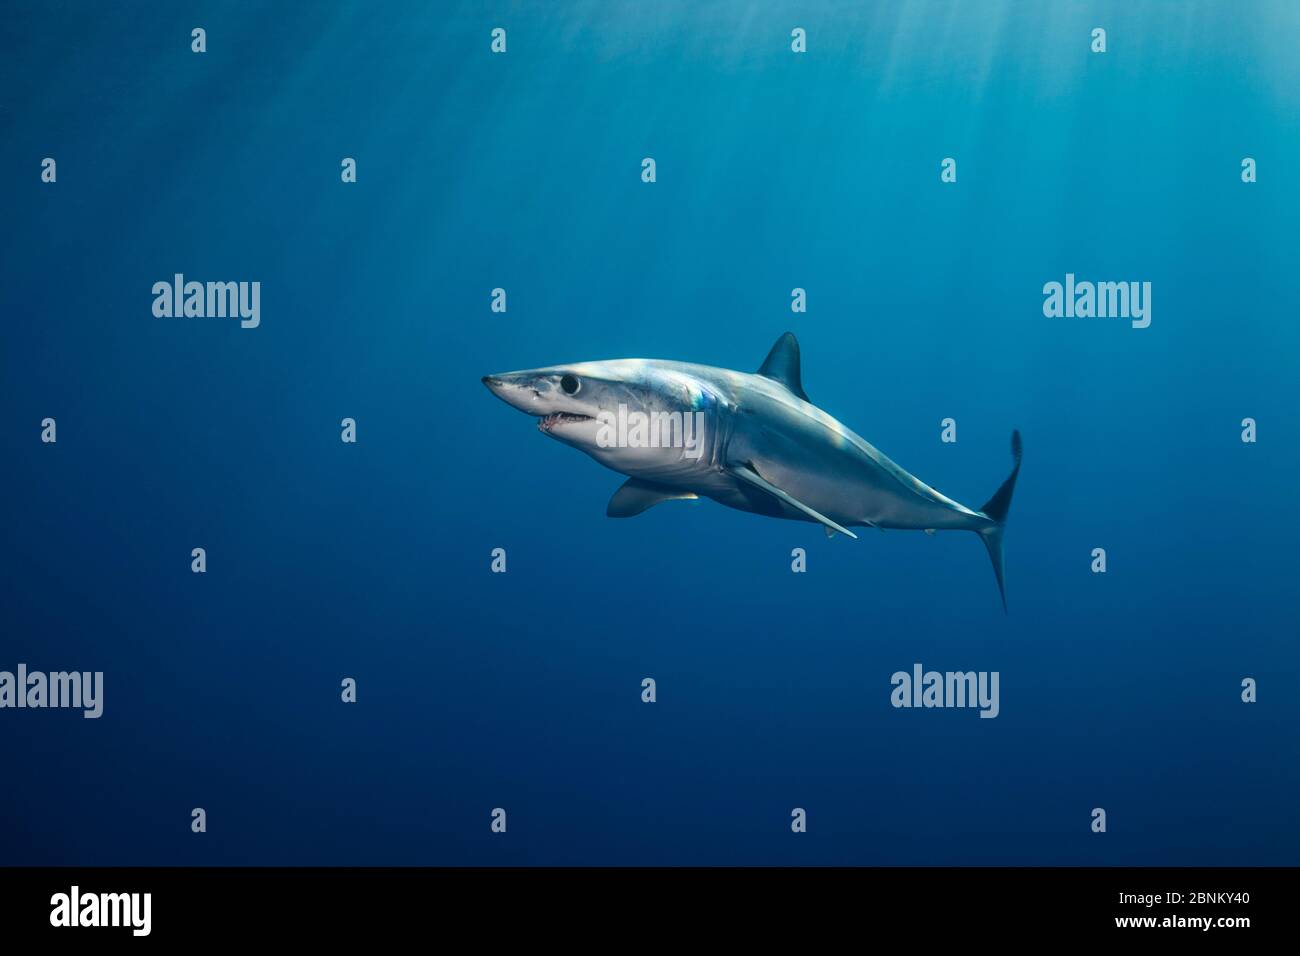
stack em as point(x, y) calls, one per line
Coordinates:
point(635, 496)
point(747, 473)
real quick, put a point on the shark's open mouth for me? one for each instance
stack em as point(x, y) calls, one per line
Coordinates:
point(560, 418)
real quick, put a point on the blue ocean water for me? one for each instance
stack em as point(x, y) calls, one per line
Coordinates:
point(522, 690)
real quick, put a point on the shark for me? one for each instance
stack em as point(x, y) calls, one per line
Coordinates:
point(753, 441)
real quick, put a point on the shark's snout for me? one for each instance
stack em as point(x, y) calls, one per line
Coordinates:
point(549, 395)
point(507, 388)
point(522, 390)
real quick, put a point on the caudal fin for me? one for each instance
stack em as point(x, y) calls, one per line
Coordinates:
point(996, 508)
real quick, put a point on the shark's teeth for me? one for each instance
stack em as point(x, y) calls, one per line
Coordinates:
point(558, 418)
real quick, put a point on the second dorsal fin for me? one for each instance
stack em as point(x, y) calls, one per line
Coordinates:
point(782, 365)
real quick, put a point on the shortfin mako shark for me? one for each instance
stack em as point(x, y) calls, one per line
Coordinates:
point(754, 442)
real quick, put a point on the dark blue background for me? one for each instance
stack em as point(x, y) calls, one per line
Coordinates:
point(522, 690)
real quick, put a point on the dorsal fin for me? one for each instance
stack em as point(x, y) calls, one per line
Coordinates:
point(782, 365)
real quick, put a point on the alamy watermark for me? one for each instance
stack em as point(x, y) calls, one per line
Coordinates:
point(631, 429)
point(922, 688)
point(36, 689)
point(1101, 300)
point(209, 300)
point(75, 908)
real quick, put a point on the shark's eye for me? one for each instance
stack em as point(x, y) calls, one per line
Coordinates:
point(570, 385)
